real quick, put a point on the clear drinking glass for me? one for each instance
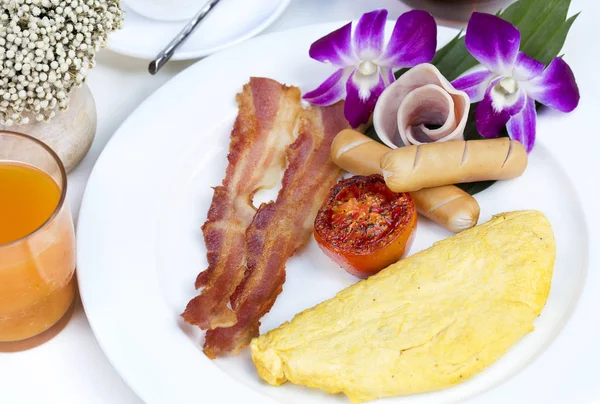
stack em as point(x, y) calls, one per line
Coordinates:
point(36, 268)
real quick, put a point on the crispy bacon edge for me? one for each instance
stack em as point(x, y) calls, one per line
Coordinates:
point(279, 228)
point(263, 129)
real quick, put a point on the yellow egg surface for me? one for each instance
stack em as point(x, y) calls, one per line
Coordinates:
point(425, 323)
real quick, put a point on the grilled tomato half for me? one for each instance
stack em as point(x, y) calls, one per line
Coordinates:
point(363, 226)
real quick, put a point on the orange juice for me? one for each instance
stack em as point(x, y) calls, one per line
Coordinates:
point(37, 252)
point(29, 197)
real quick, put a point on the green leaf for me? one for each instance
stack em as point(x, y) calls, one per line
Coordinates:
point(543, 25)
point(372, 133)
point(538, 20)
point(473, 188)
point(524, 11)
point(556, 41)
point(471, 132)
point(442, 52)
point(454, 59)
point(400, 72)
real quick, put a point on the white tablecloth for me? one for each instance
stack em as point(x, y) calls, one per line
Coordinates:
point(72, 368)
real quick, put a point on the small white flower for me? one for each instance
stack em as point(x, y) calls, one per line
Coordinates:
point(43, 59)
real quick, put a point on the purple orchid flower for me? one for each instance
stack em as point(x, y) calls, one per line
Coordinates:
point(512, 82)
point(364, 66)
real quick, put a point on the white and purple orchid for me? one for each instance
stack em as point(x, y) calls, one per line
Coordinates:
point(364, 66)
point(513, 82)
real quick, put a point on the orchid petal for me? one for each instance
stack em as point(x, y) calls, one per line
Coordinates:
point(526, 67)
point(368, 36)
point(474, 84)
point(335, 48)
point(521, 127)
point(413, 41)
point(493, 42)
point(494, 111)
point(556, 87)
point(357, 108)
point(490, 122)
point(331, 90)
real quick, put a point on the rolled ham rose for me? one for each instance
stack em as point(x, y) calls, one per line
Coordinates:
point(421, 107)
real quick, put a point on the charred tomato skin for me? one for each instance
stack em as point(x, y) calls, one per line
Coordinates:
point(365, 227)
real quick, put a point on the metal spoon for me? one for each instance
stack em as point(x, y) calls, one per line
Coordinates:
point(166, 54)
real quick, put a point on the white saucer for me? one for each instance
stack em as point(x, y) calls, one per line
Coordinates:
point(230, 22)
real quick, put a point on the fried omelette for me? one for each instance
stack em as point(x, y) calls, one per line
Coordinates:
point(425, 323)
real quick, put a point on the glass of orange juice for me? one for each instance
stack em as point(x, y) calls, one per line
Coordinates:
point(37, 240)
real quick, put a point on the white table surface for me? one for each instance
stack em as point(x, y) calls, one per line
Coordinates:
point(72, 368)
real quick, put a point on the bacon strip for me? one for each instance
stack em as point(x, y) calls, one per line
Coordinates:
point(281, 227)
point(264, 127)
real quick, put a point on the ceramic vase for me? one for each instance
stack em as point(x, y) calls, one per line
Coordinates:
point(71, 132)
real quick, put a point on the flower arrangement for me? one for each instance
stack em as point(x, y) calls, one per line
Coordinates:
point(511, 81)
point(47, 48)
point(364, 66)
point(507, 65)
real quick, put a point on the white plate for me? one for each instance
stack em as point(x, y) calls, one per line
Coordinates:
point(230, 22)
point(140, 245)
